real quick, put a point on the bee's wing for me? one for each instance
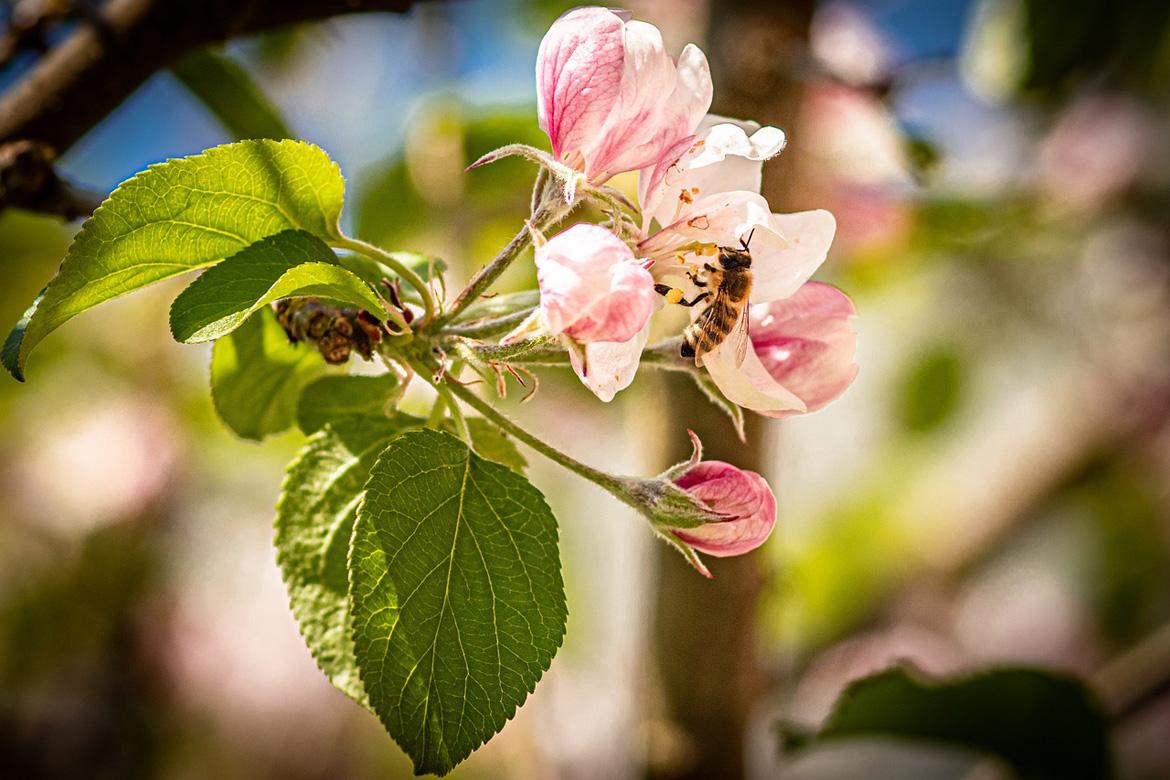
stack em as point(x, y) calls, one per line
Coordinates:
point(739, 339)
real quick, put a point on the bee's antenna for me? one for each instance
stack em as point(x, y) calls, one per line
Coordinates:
point(747, 244)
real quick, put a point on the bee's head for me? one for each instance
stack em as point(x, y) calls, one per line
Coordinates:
point(734, 259)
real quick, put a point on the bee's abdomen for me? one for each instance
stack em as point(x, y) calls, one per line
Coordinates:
point(710, 329)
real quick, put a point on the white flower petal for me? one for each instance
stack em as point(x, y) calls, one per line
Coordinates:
point(749, 385)
point(789, 252)
point(609, 366)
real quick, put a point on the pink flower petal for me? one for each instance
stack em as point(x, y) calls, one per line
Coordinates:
point(749, 384)
point(744, 495)
point(609, 96)
point(579, 71)
point(591, 287)
point(806, 343)
point(726, 155)
point(789, 253)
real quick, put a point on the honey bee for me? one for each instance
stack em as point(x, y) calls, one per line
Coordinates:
point(725, 316)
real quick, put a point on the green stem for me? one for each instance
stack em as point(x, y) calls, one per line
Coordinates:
point(664, 356)
point(438, 411)
point(490, 327)
point(456, 413)
point(513, 353)
point(382, 256)
point(608, 481)
point(548, 216)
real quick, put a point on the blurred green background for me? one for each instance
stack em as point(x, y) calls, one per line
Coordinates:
point(994, 488)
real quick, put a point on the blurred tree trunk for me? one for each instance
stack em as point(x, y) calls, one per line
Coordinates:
point(705, 631)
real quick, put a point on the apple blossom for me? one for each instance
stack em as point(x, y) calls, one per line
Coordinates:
point(742, 496)
point(801, 356)
point(607, 367)
point(726, 155)
point(609, 96)
point(709, 198)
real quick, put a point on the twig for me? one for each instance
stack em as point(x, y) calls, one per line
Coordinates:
point(78, 83)
point(28, 181)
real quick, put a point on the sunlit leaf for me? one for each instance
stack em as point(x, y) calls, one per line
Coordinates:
point(181, 215)
point(314, 520)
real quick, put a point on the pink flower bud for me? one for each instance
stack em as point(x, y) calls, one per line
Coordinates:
point(806, 344)
point(743, 496)
point(591, 287)
point(609, 96)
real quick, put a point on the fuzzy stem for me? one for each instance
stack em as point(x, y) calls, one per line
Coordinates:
point(382, 256)
point(490, 327)
point(515, 352)
point(456, 413)
point(543, 219)
point(607, 481)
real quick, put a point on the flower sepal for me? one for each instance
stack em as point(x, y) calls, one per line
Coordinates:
point(560, 188)
point(668, 506)
point(678, 469)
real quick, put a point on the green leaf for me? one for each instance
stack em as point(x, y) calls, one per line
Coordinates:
point(181, 215)
point(457, 601)
point(229, 92)
point(337, 397)
point(314, 521)
point(257, 376)
point(1045, 725)
point(289, 264)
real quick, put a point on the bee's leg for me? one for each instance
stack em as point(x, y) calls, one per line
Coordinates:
point(686, 350)
point(695, 280)
point(696, 300)
point(671, 294)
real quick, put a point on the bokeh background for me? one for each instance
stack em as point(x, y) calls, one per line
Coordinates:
point(994, 488)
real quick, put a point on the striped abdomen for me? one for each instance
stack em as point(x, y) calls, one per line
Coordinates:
point(711, 326)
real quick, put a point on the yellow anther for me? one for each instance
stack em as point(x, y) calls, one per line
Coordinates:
point(674, 296)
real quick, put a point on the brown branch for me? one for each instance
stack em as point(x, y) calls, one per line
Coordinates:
point(80, 82)
point(28, 181)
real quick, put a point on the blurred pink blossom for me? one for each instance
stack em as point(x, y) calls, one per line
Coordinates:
point(609, 96)
point(742, 495)
point(1094, 151)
